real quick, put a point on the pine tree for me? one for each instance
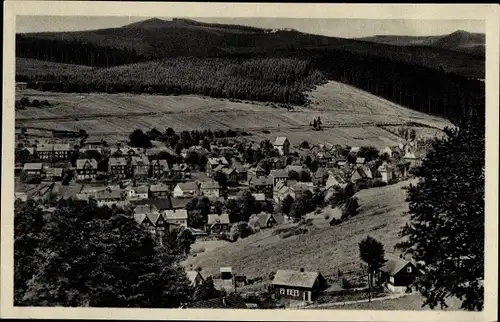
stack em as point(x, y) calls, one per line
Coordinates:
point(371, 251)
point(446, 228)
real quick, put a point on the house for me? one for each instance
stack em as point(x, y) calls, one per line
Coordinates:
point(158, 190)
point(295, 168)
point(54, 151)
point(259, 197)
point(298, 188)
point(33, 169)
point(360, 161)
point(279, 176)
point(218, 223)
point(231, 174)
point(280, 191)
point(263, 185)
point(354, 150)
point(139, 166)
point(212, 164)
point(387, 150)
point(300, 285)
point(54, 174)
point(265, 220)
point(181, 170)
point(21, 85)
point(368, 171)
point(257, 171)
point(242, 173)
point(210, 189)
point(335, 179)
point(137, 193)
point(186, 190)
point(412, 159)
point(277, 163)
point(176, 217)
point(86, 169)
point(160, 204)
point(117, 167)
point(179, 203)
point(108, 197)
point(159, 168)
point(358, 174)
point(320, 176)
point(282, 144)
point(149, 217)
point(397, 274)
point(325, 158)
point(195, 278)
point(386, 171)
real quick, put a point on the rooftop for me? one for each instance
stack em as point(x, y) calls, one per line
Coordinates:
point(295, 278)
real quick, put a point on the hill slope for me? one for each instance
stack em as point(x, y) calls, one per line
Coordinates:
point(323, 248)
point(460, 41)
point(155, 38)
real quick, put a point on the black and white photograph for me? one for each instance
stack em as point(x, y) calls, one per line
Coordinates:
point(254, 163)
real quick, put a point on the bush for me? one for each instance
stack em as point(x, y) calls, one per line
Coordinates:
point(293, 232)
point(327, 216)
point(346, 284)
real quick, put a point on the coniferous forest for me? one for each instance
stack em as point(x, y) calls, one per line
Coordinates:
point(281, 75)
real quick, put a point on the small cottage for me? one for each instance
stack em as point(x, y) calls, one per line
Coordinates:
point(279, 176)
point(218, 223)
point(186, 190)
point(210, 189)
point(195, 278)
point(398, 274)
point(298, 285)
point(177, 217)
point(282, 145)
point(159, 190)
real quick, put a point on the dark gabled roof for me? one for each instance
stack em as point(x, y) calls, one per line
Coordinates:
point(394, 265)
point(232, 301)
point(160, 204)
point(179, 203)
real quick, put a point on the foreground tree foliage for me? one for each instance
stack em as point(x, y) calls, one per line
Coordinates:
point(82, 255)
point(446, 230)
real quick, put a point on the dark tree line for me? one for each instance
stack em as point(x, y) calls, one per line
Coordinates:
point(74, 52)
point(281, 76)
point(281, 80)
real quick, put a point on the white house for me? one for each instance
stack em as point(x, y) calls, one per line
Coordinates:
point(282, 144)
point(385, 170)
point(86, 169)
point(176, 217)
point(210, 189)
point(186, 190)
point(137, 193)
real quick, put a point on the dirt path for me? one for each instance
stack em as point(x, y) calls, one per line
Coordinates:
point(324, 305)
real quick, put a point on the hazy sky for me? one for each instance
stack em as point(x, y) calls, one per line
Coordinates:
point(348, 28)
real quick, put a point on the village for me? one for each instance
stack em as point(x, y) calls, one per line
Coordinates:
point(199, 187)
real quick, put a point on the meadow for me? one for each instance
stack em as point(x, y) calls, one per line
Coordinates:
point(323, 248)
point(349, 115)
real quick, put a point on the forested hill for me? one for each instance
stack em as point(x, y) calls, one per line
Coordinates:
point(155, 38)
point(460, 41)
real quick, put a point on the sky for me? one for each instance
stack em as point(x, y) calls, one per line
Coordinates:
point(345, 28)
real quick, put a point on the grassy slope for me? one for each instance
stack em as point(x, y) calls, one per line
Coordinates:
point(323, 248)
point(334, 102)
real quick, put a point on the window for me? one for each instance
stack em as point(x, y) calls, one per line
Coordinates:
point(288, 292)
point(408, 269)
point(282, 291)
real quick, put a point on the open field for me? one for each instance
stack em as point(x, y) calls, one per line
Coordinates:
point(323, 248)
point(349, 115)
